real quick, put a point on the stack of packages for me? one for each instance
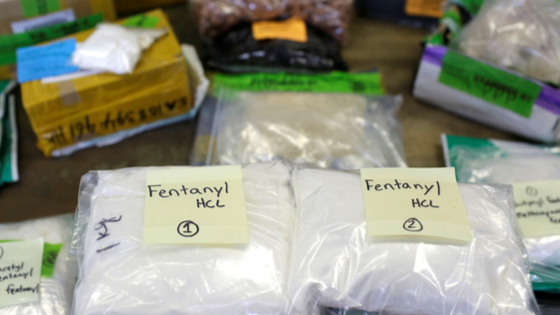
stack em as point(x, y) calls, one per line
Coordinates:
point(25, 23)
point(278, 238)
point(8, 134)
point(497, 62)
point(107, 84)
point(273, 35)
point(534, 172)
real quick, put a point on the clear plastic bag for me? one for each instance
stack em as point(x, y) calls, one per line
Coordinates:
point(506, 162)
point(55, 296)
point(335, 266)
point(214, 17)
point(340, 131)
point(523, 35)
point(121, 275)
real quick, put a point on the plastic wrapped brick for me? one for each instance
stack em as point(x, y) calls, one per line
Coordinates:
point(57, 283)
point(523, 35)
point(121, 275)
point(507, 162)
point(336, 266)
point(214, 17)
point(341, 131)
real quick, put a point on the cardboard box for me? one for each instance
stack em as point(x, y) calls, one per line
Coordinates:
point(128, 6)
point(66, 113)
point(13, 11)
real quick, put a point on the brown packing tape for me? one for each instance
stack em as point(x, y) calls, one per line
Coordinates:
point(68, 93)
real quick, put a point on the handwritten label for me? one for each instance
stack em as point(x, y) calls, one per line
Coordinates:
point(9, 43)
point(537, 208)
point(291, 29)
point(20, 271)
point(429, 8)
point(493, 85)
point(43, 61)
point(369, 83)
point(198, 205)
point(422, 203)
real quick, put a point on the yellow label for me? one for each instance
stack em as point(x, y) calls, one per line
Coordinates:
point(414, 203)
point(291, 29)
point(537, 208)
point(429, 8)
point(196, 205)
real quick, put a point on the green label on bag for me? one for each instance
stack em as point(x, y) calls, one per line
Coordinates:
point(9, 43)
point(369, 83)
point(35, 7)
point(488, 83)
point(50, 253)
point(142, 20)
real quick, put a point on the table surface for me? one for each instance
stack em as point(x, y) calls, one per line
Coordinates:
point(50, 186)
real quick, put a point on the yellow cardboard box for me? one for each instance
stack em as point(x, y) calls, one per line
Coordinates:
point(68, 112)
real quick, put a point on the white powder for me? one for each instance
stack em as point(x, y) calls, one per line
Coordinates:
point(56, 292)
point(336, 265)
point(120, 275)
point(339, 131)
point(114, 48)
point(523, 35)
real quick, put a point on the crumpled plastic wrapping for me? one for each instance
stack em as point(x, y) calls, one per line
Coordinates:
point(214, 17)
point(238, 51)
point(121, 275)
point(523, 35)
point(508, 162)
point(336, 265)
point(55, 296)
point(114, 48)
point(340, 131)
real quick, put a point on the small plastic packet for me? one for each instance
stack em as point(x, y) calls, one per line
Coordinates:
point(341, 131)
point(120, 274)
point(57, 283)
point(338, 269)
point(517, 163)
point(114, 48)
point(523, 35)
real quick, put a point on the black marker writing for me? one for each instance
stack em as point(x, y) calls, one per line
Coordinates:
point(103, 225)
point(107, 248)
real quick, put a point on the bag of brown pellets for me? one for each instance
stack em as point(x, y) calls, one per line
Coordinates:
point(301, 36)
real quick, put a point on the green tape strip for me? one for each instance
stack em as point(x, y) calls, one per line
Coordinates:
point(142, 20)
point(50, 253)
point(369, 83)
point(10, 43)
point(36, 7)
point(488, 83)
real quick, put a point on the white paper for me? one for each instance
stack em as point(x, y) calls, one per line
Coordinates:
point(43, 21)
point(20, 271)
